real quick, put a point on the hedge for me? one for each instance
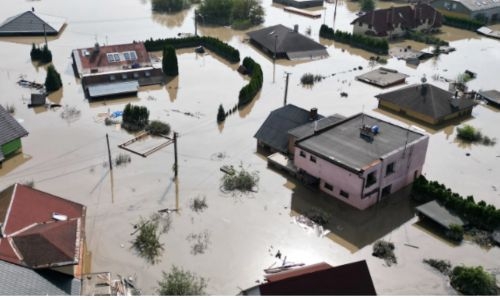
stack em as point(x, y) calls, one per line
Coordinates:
point(213, 44)
point(481, 215)
point(375, 45)
point(463, 23)
point(248, 92)
point(425, 38)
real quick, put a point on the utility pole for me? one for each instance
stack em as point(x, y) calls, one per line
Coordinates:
point(334, 15)
point(109, 153)
point(274, 55)
point(175, 155)
point(287, 74)
point(195, 23)
point(45, 34)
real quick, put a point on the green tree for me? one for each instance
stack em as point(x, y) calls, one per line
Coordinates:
point(181, 283)
point(473, 281)
point(232, 12)
point(169, 61)
point(367, 5)
point(46, 55)
point(221, 114)
point(135, 117)
point(53, 80)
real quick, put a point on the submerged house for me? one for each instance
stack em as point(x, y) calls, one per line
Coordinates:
point(488, 10)
point(11, 133)
point(427, 103)
point(32, 23)
point(352, 279)
point(115, 70)
point(279, 41)
point(300, 3)
point(362, 159)
point(43, 233)
point(396, 21)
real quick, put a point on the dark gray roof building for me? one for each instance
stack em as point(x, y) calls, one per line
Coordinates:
point(286, 43)
point(341, 145)
point(383, 77)
point(31, 23)
point(492, 96)
point(439, 214)
point(10, 130)
point(273, 133)
point(20, 281)
point(427, 103)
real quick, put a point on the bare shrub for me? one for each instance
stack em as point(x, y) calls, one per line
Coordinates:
point(198, 204)
point(122, 159)
point(200, 242)
point(385, 250)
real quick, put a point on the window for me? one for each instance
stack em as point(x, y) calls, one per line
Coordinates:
point(344, 194)
point(110, 57)
point(124, 76)
point(389, 169)
point(136, 75)
point(116, 56)
point(302, 153)
point(133, 55)
point(313, 159)
point(126, 55)
point(328, 186)
point(371, 179)
point(112, 77)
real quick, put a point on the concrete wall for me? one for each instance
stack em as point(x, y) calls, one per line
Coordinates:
point(408, 165)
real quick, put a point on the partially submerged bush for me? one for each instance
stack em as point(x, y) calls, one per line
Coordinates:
point(385, 250)
point(241, 180)
point(10, 108)
point(198, 204)
point(158, 128)
point(473, 281)
point(147, 242)
point(181, 283)
point(455, 233)
point(122, 159)
point(442, 266)
point(470, 134)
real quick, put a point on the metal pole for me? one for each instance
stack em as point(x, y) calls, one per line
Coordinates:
point(334, 15)
point(195, 23)
point(274, 56)
point(286, 87)
point(45, 34)
point(175, 155)
point(109, 153)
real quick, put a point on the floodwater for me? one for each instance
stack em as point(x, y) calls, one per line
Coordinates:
point(68, 156)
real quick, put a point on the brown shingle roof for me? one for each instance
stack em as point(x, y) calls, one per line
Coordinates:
point(31, 237)
point(349, 279)
point(408, 17)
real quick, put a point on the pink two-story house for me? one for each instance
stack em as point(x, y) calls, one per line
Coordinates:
point(361, 159)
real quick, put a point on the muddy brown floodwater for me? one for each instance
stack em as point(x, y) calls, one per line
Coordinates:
point(67, 156)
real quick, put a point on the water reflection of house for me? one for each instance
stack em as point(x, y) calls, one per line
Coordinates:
point(300, 3)
point(487, 9)
point(320, 279)
point(358, 160)
point(427, 103)
point(395, 21)
point(286, 43)
point(115, 70)
point(32, 23)
point(11, 133)
point(45, 235)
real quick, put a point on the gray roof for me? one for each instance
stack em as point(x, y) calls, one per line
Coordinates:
point(287, 41)
point(491, 95)
point(476, 5)
point(20, 281)
point(426, 99)
point(10, 129)
point(382, 77)
point(115, 88)
point(274, 131)
point(439, 214)
point(309, 128)
point(31, 23)
point(342, 143)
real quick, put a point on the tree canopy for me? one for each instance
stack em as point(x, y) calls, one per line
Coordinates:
point(473, 281)
point(169, 5)
point(169, 62)
point(181, 283)
point(231, 12)
point(53, 80)
point(367, 5)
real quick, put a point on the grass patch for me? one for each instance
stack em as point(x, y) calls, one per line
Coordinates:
point(443, 266)
point(240, 180)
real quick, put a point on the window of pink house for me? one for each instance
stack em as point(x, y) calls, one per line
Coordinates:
point(371, 179)
point(313, 159)
point(344, 194)
point(302, 153)
point(389, 169)
point(328, 186)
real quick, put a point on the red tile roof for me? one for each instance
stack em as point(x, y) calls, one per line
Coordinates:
point(350, 279)
point(30, 236)
point(408, 17)
point(89, 58)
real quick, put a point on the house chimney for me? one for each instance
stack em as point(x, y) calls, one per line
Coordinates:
point(96, 47)
point(313, 114)
point(296, 28)
point(423, 86)
point(32, 9)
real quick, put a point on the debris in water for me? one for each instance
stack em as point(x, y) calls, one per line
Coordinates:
point(385, 250)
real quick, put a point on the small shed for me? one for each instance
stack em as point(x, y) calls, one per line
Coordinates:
point(37, 100)
point(383, 77)
point(115, 89)
point(491, 96)
point(439, 214)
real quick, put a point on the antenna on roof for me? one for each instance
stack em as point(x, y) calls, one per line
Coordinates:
point(423, 87)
